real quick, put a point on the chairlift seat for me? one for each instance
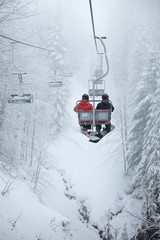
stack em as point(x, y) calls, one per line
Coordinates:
point(101, 117)
point(98, 92)
point(14, 95)
point(67, 74)
point(24, 98)
point(57, 81)
point(100, 81)
point(56, 84)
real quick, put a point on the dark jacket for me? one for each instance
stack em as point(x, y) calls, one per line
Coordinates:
point(105, 104)
point(83, 105)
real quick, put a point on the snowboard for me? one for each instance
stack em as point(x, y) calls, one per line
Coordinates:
point(96, 138)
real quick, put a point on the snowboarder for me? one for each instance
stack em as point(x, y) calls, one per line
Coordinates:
point(105, 104)
point(84, 105)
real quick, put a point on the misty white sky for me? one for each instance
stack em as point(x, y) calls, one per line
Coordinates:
point(111, 16)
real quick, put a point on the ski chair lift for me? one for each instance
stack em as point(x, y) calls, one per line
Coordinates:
point(57, 82)
point(20, 93)
point(99, 87)
point(102, 116)
point(24, 98)
point(68, 74)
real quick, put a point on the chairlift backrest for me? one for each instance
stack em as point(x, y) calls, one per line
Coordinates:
point(55, 84)
point(68, 74)
point(24, 98)
point(98, 92)
point(85, 117)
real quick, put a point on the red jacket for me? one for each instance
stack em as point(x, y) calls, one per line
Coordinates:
point(83, 105)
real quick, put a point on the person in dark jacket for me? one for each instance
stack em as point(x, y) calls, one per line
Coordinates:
point(105, 104)
point(84, 105)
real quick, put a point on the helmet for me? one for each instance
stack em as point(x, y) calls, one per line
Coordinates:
point(85, 96)
point(105, 96)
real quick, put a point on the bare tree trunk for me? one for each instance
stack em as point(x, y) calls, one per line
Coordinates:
point(123, 121)
point(33, 136)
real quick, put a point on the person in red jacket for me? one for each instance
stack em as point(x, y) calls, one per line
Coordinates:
point(84, 105)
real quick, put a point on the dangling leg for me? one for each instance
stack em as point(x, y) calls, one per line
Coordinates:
point(88, 127)
point(85, 128)
point(98, 129)
point(107, 128)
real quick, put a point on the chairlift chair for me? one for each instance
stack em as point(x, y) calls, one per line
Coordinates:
point(102, 116)
point(85, 117)
point(99, 87)
point(19, 93)
point(57, 82)
point(24, 98)
point(69, 74)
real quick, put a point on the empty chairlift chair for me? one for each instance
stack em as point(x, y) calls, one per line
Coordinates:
point(57, 82)
point(20, 93)
point(24, 98)
point(99, 88)
point(67, 74)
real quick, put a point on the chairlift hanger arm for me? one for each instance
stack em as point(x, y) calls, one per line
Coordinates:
point(106, 58)
point(101, 40)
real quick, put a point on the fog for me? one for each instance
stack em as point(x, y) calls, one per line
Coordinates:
point(112, 18)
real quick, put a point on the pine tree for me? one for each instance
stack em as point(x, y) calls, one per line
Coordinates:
point(56, 60)
point(141, 135)
point(107, 235)
point(124, 235)
point(151, 207)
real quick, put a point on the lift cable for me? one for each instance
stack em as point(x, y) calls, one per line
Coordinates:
point(93, 27)
point(27, 44)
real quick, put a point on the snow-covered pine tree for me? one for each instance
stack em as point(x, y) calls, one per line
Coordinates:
point(138, 56)
point(151, 207)
point(124, 235)
point(138, 123)
point(150, 224)
point(107, 235)
point(56, 36)
point(146, 125)
point(140, 42)
point(116, 232)
point(56, 66)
